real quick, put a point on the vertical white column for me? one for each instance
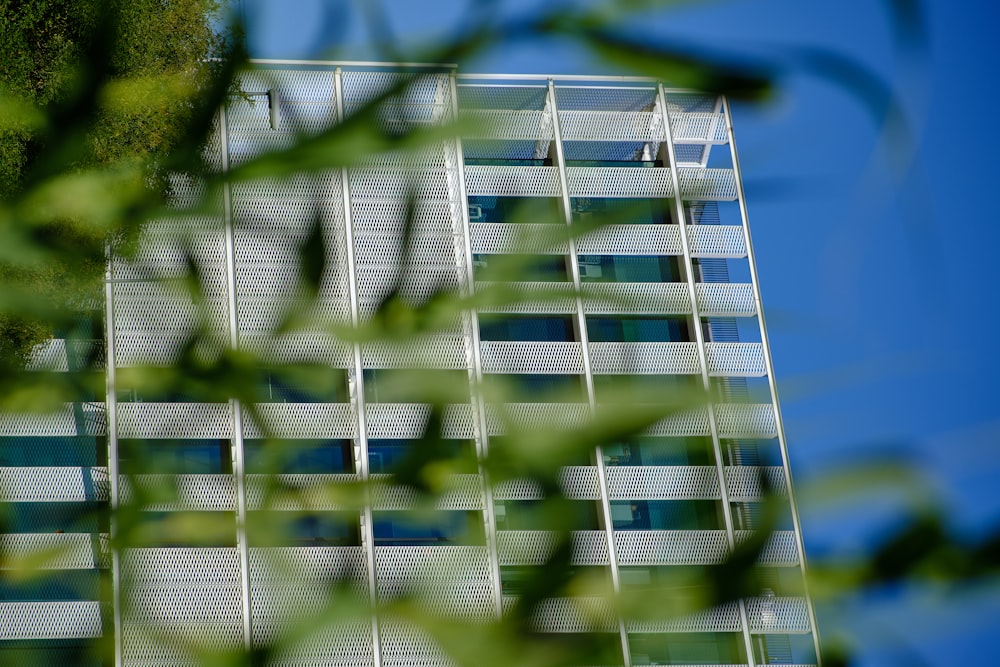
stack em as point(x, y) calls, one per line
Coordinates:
point(111, 426)
point(769, 366)
point(581, 323)
point(361, 443)
point(699, 333)
point(468, 285)
point(239, 472)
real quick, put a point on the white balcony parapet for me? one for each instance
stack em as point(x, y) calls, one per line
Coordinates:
point(53, 484)
point(534, 547)
point(54, 551)
point(79, 619)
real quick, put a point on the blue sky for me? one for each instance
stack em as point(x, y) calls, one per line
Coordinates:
point(878, 282)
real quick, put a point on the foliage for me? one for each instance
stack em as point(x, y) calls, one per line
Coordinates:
point(98, 95)
point(95, 127)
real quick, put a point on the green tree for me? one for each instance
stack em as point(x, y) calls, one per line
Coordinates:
point(94, 89)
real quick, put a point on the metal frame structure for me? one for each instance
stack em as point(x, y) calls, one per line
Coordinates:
point(554, 135)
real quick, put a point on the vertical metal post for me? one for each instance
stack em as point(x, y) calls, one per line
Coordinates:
point(769, 366)
point(581, 323)
point(727, 510)
point(111, 426)
point(367, 531)
point(239, 471)
point(476, 371)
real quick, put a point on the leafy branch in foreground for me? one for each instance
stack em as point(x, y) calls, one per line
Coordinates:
point(91, 158)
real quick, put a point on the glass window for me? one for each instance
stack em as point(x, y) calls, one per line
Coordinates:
point(521, 268)
point(390, 456)
point(175, 456)
point(526, 328)
point(695, 648)
point(539, 388)
point(537, 210)
point(666, 515)
point(298, 456)
point(541, 514)
point(660, 451)
point(54, 517)
point(304, 385)
point(52, 451)
point(54, 585)
point(413, 529)
point(622, 211)
point(185, 529)
point(649, 389)
point(514, 579)
point(416, 385)
point(622, 329)
point(273, 528)
point(629, 268)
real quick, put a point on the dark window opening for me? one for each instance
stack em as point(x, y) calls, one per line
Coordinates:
point(526, 328)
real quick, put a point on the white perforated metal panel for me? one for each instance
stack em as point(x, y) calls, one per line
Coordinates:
point(174, 420)
point(725, 299)
point(50, 620)
point(167, 493)
point(180, 596)
point(303, 492)
point(779, 550)
point(637, 299)
point(631, 240)
point(525, 297)
point(276, 565)
point(300, 420)
point(448, 580)
point(63, 422)
point(289, 584)
point(298, 348)
point(533, 547)
point(507, 124)
point(577, 482)
point(652, 482)
point(440, 351)
point(512, 181)
point(55, 484)
point(671, 547)
point(717, 241)
point(618, 182)
point(644, 358)
point(746, 420)
point(491, 238)
point(403, 645)
point(749, 483)
point(409, 420)
point(771, 614)
point(529, 415)
point(613, 239)
point(531, 357)
point(682, 424)
point(698, 127)
point(461, 492)
point(735, 359)
point(574, 615)
point(609, 126)
point(55, 551)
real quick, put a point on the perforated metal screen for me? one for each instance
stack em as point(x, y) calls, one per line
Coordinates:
point(408, 227)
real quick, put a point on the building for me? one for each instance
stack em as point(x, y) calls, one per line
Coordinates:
point(612, 293)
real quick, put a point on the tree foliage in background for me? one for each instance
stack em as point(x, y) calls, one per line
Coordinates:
point(104, 92)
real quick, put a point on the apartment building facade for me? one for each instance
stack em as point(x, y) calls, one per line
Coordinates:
point(588, 238)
